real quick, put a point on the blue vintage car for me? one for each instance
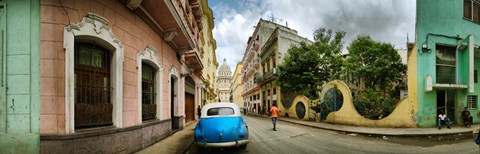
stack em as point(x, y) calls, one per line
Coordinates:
point(221, 125)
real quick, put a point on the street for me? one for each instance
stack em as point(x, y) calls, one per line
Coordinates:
point(291, 139)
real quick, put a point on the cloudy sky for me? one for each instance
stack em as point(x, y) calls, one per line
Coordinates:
point(384, 20)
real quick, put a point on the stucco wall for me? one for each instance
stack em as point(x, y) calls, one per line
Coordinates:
point(404, 115)
point(444, 18)
point(19, 104)
point(134, 34)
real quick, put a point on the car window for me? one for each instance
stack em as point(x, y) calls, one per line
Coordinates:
point(220, 111)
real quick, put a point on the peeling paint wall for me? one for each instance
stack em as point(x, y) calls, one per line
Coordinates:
point(20, 65)
point(442, 23)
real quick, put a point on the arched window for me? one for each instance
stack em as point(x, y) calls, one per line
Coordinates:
point(92, 93)
point(93, 75)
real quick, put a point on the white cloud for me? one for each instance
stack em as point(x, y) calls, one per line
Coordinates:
point(232, 30)
point(384, 20)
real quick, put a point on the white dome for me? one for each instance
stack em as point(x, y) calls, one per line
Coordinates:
point(224, 69)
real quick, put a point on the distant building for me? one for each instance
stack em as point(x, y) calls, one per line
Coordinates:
point(236, 86)
point(208, 45)
point(265, 49)
point(224, 81)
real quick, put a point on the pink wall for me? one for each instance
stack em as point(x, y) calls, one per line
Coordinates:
point(132, 31)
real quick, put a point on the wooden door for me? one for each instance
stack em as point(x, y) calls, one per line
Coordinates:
point(189, 107)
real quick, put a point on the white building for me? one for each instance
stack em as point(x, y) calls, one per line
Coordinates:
point(223, 82)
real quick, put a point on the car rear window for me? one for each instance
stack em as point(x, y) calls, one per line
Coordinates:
point(220, 111)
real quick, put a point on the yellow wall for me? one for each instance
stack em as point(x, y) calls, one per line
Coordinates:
point(404, 115)
point(291, 111)
point(236, 87)
point(208, 46)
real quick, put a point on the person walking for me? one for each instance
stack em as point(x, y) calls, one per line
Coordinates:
point(199, 111)
point(274, 112)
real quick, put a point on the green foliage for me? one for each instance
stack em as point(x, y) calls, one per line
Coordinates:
point(380, 68)
point(372, 106)
point(307, 66)
point(377, 64)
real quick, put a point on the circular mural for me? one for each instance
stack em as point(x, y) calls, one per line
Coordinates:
point(287, 99)
point(300, 110)
point(332, 101)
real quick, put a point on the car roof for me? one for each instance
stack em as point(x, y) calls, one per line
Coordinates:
point(234, 106)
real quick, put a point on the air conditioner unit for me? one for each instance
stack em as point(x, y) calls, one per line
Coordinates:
point(429, 83)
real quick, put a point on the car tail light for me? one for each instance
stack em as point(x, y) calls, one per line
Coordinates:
point(200, 137)
point(241, 136)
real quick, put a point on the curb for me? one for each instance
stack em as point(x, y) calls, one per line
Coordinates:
point(189, 142)
point(365, 133)
point(184, 149)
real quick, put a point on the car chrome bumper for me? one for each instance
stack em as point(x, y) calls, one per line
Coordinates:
point(223, 144)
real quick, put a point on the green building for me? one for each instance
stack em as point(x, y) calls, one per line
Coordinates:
point(19, 76)
point(445, 59)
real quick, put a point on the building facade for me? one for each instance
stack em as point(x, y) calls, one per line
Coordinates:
point(277, 45)
point(208, 45)
point(224, 82)
point(19, 76)
point(443, 61)
point(117, 76)
point(236, 87)
point(268, 43)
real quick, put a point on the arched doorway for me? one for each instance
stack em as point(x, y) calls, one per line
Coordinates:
point(189, 99)
point(173, 101)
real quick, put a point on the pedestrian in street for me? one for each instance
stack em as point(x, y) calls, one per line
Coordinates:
point(199, 111)
point(442, 118)
point(274, 112)
point(467, 117)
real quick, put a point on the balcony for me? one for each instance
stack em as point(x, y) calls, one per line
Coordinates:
point(175, 23)
point(268, 76)
point(192, 59)
point(256, 62)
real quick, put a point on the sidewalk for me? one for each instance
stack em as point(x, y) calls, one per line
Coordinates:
point(381, 131)
point(175, 143)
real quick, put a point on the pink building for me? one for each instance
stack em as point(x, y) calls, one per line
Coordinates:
point(117, 76)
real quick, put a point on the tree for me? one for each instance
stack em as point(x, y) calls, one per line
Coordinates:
point(307, 66)
point(377, 64)
point(380, 68)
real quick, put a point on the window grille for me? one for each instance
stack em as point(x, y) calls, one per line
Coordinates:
point(92, 95)
point(472, 101)
point(149, 107)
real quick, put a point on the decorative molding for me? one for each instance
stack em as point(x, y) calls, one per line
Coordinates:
point(93, 27)
point(149, 55)
point(98, 18)
point(132, 4)
point(170, 34)
point(174, 73)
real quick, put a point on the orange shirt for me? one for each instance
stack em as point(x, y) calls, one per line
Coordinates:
point(274, 111)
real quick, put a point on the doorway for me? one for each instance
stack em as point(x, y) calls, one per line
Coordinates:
point(189, 99)
point(446, 100)
point(173, 99)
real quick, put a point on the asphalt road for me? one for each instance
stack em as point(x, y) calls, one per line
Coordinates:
point(292, 139)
